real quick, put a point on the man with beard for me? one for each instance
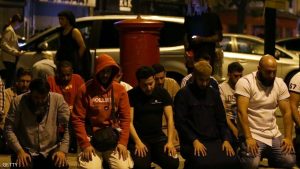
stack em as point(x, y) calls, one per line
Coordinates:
point(258, 95)
point(148, 104)
point(23, 79)
point(67, 84)
point(31, 128)
point(165, 82)
point(172, 87)
point(94, 104)
point(201, 123)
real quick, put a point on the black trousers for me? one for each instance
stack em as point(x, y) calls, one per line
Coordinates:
point(155, 154)
point(38, 162)
point(215, 158)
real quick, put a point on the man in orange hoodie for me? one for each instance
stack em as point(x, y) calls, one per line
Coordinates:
point(93, 104)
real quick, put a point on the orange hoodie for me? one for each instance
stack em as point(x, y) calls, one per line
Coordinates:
point(93, 103)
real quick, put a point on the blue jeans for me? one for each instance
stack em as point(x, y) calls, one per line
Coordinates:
point(275, 156)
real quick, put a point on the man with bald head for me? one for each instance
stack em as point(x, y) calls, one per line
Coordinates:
point(258, 95)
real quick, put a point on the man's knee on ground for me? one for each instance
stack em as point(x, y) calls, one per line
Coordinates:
point(288, 161)
point(249, 163)
point(95, 163)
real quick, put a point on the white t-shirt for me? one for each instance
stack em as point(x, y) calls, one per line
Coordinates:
point(294, 85)
point(229, 100)
point(262, 105)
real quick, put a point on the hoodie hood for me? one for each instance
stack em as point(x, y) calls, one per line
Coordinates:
point(103, 61)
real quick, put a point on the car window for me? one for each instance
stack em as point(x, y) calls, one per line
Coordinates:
point(249, 46)
point(292, 44)
point(226, 44)
point(101, 34)
point(51, 38)
point(280, 54)
point(109, 35)
point(85, 29)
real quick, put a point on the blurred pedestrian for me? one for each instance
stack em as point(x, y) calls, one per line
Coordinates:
point(72, 47)
point(10, 48)
point(67, 83)
point(101, 104)
point(31, 128)
point(258, 95)
point(148, 142)
point(203, 30)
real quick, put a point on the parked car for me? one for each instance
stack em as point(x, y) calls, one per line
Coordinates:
point(102, 37)
point(248, 49)
point(291, 44)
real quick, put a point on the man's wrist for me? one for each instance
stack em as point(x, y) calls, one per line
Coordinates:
point(288, 138)
point(20, 151)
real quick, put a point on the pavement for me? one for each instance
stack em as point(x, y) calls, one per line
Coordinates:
point(72, 158)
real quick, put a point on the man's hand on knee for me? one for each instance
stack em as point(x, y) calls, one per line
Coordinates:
point(287, 146)
point(252, 146)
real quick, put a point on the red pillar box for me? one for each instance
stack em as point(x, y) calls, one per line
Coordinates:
point(139, 45)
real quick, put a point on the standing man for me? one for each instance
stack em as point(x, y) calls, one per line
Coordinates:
point(31, 128)
point(227, 88)
point(258, 95)
point(201, 123)
point(294, 88)
point(95, 103)
point(148, 103)
point(67, 84)
point(203, 30)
